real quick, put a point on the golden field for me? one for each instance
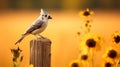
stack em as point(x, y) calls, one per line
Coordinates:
point(61, 31)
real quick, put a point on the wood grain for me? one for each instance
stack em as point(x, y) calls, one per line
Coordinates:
point(40, 52)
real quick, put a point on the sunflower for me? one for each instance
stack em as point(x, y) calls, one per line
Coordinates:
point(84, 57)
point(112, 55)
point(116, 37)
point(86, 13)
point(91, 41)
point(75, 63)
point(107, 64)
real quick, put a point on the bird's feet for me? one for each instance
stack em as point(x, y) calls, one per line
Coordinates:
point(40, 36)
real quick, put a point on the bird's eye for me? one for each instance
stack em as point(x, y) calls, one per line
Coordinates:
point(45, 15)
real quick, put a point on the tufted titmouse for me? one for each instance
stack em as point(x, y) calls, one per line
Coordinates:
point(38, 25)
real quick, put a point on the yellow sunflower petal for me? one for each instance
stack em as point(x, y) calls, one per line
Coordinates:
point(31, 65)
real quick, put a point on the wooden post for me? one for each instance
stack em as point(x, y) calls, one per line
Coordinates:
point(40, 52)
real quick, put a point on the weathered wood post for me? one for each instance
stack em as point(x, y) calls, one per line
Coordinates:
point(40, 52)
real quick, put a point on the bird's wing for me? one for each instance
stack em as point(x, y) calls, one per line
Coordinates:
point(37, 25)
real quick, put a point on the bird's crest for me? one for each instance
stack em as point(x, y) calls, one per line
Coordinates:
point(43, 12)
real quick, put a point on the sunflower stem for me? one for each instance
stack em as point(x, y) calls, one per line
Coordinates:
point(92, 60)
point(19, 64)
point(15, 64)
point(87, 65)
point(117, 63)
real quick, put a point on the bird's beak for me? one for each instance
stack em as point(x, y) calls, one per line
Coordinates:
point(49, 17)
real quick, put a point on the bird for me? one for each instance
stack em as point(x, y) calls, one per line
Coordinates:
point(37, 27)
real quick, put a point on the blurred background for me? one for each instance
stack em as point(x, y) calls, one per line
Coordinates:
point(17, 15)
point(59, 4)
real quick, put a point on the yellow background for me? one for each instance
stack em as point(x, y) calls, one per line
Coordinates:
point(61, 31)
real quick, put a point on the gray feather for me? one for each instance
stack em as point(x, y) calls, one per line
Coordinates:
point(20, 39)
point(34, 27)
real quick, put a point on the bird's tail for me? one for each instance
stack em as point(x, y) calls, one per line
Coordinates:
point(20, 39)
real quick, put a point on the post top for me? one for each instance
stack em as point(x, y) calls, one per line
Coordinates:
point(42, 40)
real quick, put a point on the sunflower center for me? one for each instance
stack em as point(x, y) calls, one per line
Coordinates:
point(117, 39)
point(75, 65)
point(91, 43)
point(112, 54)
point(86, 13)
point(107, 64)
point(84, 57)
